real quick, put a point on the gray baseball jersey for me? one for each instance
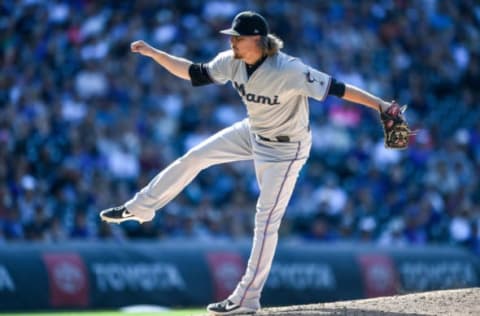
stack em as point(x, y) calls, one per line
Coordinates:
point(276, 93)
point(276, 97)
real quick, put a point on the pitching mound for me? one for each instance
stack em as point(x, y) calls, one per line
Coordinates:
point(448, 302)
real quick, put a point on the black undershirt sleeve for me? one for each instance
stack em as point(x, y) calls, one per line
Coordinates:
point(199, 75)
point(336, 88)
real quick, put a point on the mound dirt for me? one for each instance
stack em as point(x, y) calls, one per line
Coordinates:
point(448, 302)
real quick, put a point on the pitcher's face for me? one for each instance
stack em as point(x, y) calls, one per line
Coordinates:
point(244, 46)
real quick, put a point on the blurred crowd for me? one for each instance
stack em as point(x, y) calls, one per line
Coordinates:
point(85, 123)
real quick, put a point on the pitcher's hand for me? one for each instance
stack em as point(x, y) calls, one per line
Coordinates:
point(142, 48)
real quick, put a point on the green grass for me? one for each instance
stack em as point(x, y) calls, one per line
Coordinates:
point(178, 312)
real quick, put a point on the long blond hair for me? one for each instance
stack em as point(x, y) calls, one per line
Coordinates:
point(270, 44)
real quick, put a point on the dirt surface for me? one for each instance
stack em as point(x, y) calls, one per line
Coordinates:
point(448, 302)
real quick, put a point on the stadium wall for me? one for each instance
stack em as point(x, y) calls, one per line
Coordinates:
point(108, 275)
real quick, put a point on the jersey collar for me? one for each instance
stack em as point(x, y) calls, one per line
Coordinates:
point(251, 68)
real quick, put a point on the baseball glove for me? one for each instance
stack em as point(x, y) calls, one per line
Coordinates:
point(395, 126)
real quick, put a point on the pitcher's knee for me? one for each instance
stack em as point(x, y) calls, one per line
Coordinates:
point(269, 215)
point(270, 228)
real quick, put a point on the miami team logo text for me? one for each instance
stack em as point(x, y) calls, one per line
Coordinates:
point(251, 97)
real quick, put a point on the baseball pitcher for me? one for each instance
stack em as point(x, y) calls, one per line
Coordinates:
point(275, 88)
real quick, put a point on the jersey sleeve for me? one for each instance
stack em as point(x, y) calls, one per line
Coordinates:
point(310, 82)
point(220, 68)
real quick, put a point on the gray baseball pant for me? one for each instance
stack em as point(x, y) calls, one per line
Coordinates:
point(277, 166)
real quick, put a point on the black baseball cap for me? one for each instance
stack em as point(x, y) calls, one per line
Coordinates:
point(248, 23)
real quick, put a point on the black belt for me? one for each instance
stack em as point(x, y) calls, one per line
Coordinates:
point(280, 139)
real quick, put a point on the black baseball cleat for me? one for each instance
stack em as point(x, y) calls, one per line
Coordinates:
point(228, 307)
point(118, 215)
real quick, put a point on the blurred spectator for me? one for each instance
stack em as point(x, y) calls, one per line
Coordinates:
point(80, 229)
point(57, 232)
point(393, 234)
point(367, 228)
point(38, 227)
point(320, 230)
